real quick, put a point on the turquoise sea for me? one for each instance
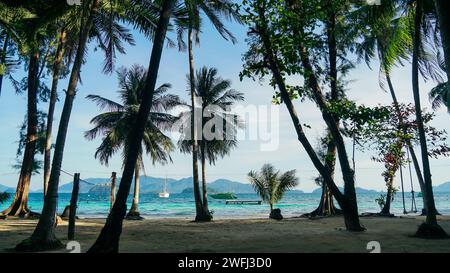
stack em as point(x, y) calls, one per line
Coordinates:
point(183, 206)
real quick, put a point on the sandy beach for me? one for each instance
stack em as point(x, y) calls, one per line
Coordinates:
point(244, 235)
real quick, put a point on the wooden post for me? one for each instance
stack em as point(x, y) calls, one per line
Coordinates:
point(73, 206)
point(113, 189)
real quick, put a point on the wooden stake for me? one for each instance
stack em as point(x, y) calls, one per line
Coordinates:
point(73, 206)
point(113, 189)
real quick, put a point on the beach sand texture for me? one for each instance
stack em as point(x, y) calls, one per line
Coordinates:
point(244, 235)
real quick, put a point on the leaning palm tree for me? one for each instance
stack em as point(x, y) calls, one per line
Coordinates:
point(114, 124)
point(214, 10)
point(271, 185)
point(108, 240)
point(219, 126)
point(91, 13)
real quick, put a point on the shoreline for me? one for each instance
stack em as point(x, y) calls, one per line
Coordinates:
point(258, 235)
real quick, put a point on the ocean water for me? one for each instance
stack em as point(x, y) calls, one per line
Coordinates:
point(183, 205)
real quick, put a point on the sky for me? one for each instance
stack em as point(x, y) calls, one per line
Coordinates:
point(285, 152)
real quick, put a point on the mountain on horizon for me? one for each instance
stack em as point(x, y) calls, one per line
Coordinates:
point(151, 184)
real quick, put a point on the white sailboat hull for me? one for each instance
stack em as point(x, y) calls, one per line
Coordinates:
point(164, 195)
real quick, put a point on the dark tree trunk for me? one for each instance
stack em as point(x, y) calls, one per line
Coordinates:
point(19, 205)
point(430, 228)
point(44, 235)
point(351, 219)
point(442, 8)
point(108, 240)
point(346, 202)
point(51, 107)
point(326, 206)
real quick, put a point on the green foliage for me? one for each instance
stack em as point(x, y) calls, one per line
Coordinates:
point(440, 95)
point(115, 124)
point(217, 99)
point(4, 196)
point(270, 184)
point(381, 200)
point(40, 142)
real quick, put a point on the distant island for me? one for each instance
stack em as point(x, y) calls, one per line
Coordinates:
point(184, 185)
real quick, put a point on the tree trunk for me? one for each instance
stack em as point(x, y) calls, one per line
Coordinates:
point(108, 240)
point(387, 205)
point(326, 206)
point(348, 206)
point(19, 205)
point(134, 214)
point(51, 107)
point(204, 186)
point(3, 60)
point(351, 219)
point(442, 8)
point(430, 228)
point(44, 235)
point(200, 212)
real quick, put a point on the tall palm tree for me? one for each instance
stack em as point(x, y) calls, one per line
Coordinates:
point(430, 228)
point(214, 11)
point(108, 240)
point(32, 35)
point(216, 98)
point(271, 185)
point(388, 38)
point(114, 125)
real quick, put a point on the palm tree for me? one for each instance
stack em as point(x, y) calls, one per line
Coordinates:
point(114, 125)
point(430, 228)
point(213, 10)
point(31, 36)
point(216, 98)
point(271, 185)
point(108, 240)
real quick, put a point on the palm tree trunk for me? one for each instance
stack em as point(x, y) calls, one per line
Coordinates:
point(442, 8)
point(134, 214)
point(43, 236)
point(19, 205)
point(51, 107)
point(430, 228)
point(108, 240)
point(197, 196)
point(204, 186)
point(3, 60)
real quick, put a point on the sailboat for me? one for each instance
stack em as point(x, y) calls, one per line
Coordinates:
point(164, 194)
